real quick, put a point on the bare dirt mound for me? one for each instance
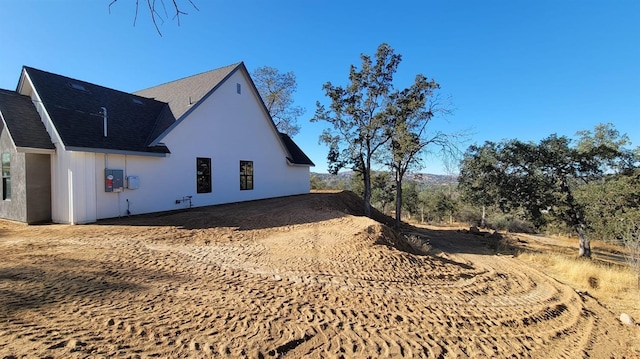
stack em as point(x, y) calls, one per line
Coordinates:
point(289, 277)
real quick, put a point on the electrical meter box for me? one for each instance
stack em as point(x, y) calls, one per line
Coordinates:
point(133, 182)
point(113, 180)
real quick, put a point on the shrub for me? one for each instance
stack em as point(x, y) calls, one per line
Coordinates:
point(506, 222)
point(469, 215)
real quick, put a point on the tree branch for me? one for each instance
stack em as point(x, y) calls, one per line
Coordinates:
point(155, 15)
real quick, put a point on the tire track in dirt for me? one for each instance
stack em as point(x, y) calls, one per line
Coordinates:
point(307, 289)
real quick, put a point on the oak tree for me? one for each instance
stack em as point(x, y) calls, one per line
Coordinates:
point(540, 179)
point(409, 113)
point(358, 116)
point(276, 90)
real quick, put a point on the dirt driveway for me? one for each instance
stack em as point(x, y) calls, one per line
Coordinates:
point(294, 277)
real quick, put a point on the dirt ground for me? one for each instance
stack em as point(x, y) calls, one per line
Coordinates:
point(303, 276)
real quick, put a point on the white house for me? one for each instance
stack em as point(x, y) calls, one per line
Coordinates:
point(75, 152)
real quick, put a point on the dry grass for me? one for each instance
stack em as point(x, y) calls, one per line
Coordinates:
point(615, 286)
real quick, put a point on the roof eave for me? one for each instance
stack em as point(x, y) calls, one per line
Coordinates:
point(55, 135)
point(117, 152)
point(44, 151)
point(4, 124)
point(294, 164)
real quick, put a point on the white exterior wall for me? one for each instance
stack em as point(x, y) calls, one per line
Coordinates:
point(228, 127)
point(73, 192)
point(68, 169)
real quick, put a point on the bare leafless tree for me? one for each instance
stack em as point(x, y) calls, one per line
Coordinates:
point(158, 10)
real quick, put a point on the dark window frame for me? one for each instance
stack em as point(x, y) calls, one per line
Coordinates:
point(203, 175)
point(246, 175)
point(6, 175)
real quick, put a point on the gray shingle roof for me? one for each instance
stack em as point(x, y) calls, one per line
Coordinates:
point(135, 121)
point(183, 93)
point(23, 122)
point(75, 109)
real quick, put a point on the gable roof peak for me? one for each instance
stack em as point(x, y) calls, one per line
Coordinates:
point(185, 94)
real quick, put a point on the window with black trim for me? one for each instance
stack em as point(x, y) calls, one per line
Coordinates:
point(203, 175)
point(6, 176)
point(246, 175)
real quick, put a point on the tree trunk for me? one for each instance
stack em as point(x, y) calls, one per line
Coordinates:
point(398, 203)
point(367, 197)
point(585, 245)
point(483, 221)
point(366, 174)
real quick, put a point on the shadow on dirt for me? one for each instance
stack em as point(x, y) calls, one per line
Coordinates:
point(258, 214)
point(59, 281)
point(465, 241)
point(313, 208)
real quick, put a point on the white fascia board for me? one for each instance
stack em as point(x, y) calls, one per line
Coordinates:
point(48, 124)
point(194, 106)
point(297, 164)
point(4, 123)
point(256, 95)
point(35, 150)
point(116, 152)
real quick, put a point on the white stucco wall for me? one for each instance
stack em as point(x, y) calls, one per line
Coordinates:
point(228, 127)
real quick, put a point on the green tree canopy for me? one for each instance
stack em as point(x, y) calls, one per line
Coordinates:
point(542, 178)
point(358, 116)
point(276, 90)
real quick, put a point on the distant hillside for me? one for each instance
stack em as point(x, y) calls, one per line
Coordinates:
point(422, 178)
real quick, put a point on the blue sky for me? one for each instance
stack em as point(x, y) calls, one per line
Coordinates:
point(513, 69)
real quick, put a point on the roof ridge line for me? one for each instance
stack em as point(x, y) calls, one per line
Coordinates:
point(187, 77)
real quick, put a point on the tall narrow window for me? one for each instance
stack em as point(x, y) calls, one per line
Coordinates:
point(246, 175)
point(203, 175)
point(6, 176)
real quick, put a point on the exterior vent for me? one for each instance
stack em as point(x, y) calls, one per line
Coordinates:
point(77, 86)
point(238, 89)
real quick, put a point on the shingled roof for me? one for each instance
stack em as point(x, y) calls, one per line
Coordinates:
point(296, 157)
point(135, 122)
point(75, 107)
point(23, 122)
